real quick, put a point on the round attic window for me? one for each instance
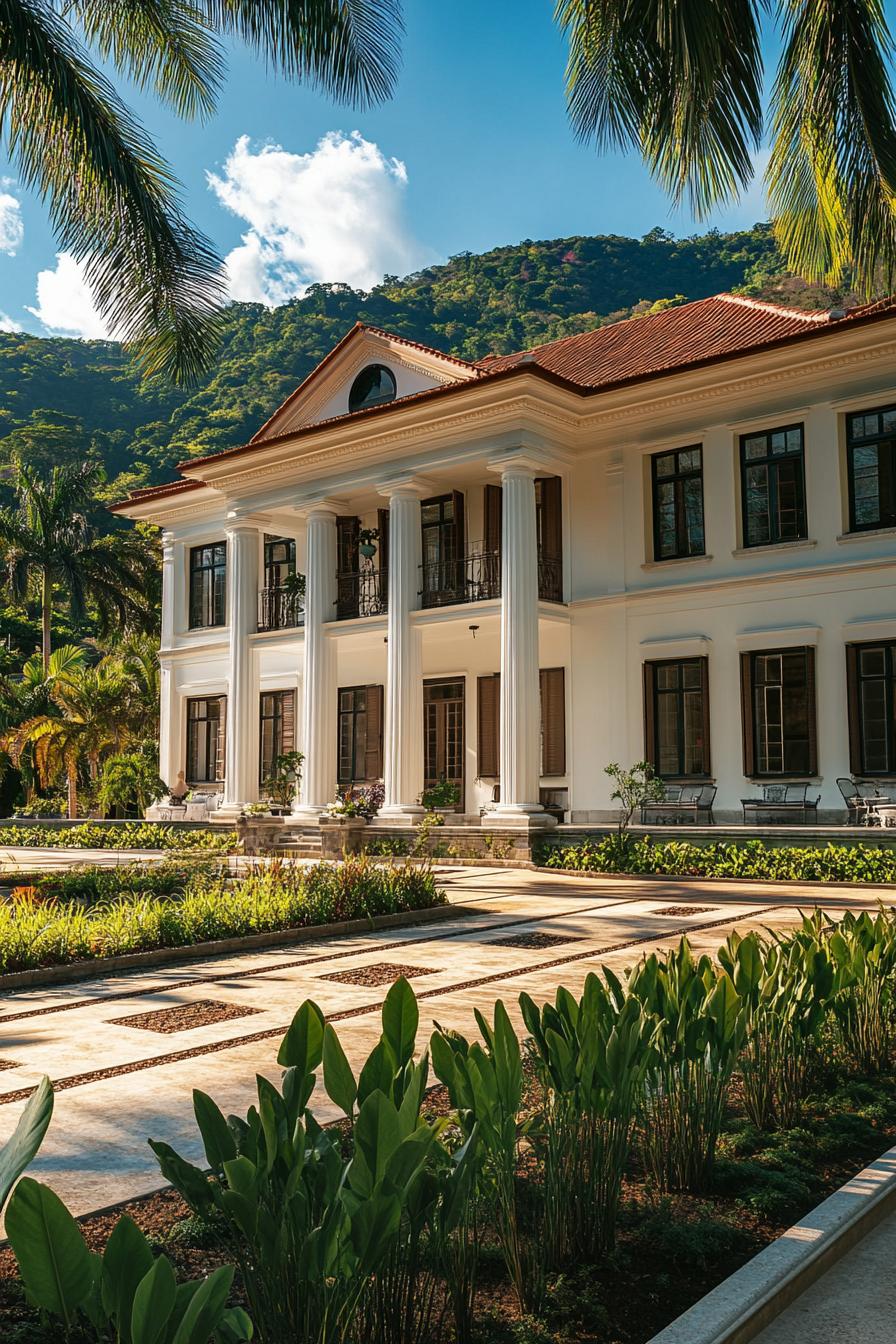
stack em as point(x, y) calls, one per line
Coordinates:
point(372, 387)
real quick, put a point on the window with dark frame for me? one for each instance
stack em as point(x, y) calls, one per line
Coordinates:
point(871, 679)
point(778, 695)
point(677, 483)
point(208, 585)
point(279, 560)
point(359, 735)
point(871, 468)
point(206, 724)
point(277, 735)
point(676, 717)
point(773, 486)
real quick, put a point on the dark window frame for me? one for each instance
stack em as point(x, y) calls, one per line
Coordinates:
point(207, 597)
point(751, 726)
point(220, 738)
point(879, 439)
point(346, 779)
point(677, 479)
point(363, 403)
point(771, 461)
point(273, 578)
point(652, 694)
point(856, 678)
point(278, 744)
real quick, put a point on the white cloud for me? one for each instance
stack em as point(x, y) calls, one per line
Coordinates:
point(8, 323)
point(334, 214)
point(12, 229)
point(64, 302)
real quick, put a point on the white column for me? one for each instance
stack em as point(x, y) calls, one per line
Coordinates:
point(170, 755)
point(318, 689)
point(520, 701)
point(403, 737)
point(241, 764)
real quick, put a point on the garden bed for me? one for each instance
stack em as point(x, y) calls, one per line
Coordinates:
point(749, 860)
point(670, 1251)
point(119, 835)
point(73, 925)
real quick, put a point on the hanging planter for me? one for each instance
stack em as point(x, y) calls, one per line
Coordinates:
point(367, 539)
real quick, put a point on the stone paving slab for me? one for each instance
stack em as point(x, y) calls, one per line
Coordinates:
point(96, 1153)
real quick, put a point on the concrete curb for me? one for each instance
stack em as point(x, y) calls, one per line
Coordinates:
point(881, 889)
point(83, 970)
point(744, 1304)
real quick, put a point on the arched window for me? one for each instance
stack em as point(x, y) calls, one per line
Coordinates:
point(372, 387)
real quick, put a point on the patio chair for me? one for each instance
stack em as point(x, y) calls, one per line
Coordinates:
point(681, 801)
point(856, 794)
point(784, 801)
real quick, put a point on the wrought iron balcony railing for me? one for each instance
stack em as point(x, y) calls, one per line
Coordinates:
point(476, 577)
point(279, 609)
point(361, 593)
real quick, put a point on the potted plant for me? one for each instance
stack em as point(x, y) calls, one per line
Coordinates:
point(367, 539)
point(441, 797)
point(282, 784)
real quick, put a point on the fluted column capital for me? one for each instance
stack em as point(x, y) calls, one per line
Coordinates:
point(406, 487)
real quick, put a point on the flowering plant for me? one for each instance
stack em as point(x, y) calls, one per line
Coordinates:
point(362, 802)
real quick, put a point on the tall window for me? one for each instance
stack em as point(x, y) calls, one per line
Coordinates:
point(778, 692)
point(678, 504)
point(205, 739)
point(773, 486)
point(278, 729)
point(208, 583)
point(552, 688)
point(360, 734)
point(676, 717)
point(871, 464)
point(279, 560)
point(442, 521)
point(871, 672)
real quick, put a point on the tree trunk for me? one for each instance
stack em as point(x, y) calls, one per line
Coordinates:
point(46, 601)
point(72, 793)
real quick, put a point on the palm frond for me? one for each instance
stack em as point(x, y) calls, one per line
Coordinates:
point(158, 43)
point(832, 171)
point(680, 80)
point(348, 48)
point(112, 199)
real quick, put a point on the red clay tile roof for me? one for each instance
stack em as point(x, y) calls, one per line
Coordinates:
point(708, 329)
point(156, 492)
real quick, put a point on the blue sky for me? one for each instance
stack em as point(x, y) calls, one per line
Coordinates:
point(474, 151)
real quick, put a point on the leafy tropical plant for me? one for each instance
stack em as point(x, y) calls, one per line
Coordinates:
point(862, 949)
point(130, 779)
point(445, 793)
point(46, 539)
point(286, 775)
point(632, 787)
point(682, 83)
point(112, 199)
point(22, 1145)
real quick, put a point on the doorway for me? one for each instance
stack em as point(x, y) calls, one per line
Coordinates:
point(443, 734)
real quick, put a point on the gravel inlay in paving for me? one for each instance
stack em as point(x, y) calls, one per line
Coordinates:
point(538, 939)
point(185, 1016)
point(383, 973)
point(677, 910)
point(9, 1063)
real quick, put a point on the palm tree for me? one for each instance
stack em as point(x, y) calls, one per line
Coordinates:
point(94, 719)
point(28, 696)
point(112, 199)
point(681, 81)
point(46, 536)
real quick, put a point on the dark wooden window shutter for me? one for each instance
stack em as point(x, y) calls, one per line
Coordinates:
point(746, 713)
point(347, 563)
point(810, 710)
point(704, 686)
point(383, 528)
point(459, 523)
point(289, 721)
point(553, 720)
point(856, 764)
point(373, 754)
point(488, 698)
point(551, 516)
point(650, 715)
point(493, 521)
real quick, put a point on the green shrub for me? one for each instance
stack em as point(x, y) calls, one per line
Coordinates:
point(133, 835)
point(35, 933)
point(750, 859)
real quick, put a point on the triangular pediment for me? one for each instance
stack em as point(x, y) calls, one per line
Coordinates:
point(324, 395)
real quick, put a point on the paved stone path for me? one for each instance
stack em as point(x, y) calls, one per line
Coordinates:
point(119, 1079)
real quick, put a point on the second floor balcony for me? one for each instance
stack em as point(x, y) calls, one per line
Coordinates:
point(362, 592)
point(475, 576)
point(280, 609)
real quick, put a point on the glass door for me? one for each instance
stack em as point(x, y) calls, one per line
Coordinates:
point(443, 723)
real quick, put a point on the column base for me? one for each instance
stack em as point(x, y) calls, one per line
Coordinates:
point(308, 813)
point(519, 817)
point(398, 814)
point(228, 812)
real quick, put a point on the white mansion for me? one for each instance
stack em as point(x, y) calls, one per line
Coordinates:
point(673, 538)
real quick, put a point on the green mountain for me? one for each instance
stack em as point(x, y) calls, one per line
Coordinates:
point(67, 399)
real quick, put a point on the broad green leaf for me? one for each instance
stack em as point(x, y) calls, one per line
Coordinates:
point(206, 1308)
point(217, 1137)
point(188, 1180)
point(339, 1080)
point(153, 1303)
point(377, 1133)
point(401, 1017)
point(126, 1259)
point(302, 1046)
point(235, 1327)
point(54, 1262)
point(22, 1145)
